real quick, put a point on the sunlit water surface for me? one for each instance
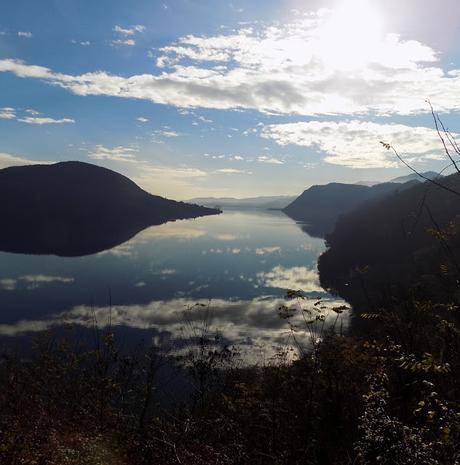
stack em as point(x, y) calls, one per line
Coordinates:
point(239, 264)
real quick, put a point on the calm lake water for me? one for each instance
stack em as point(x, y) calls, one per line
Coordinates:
point(239, 264)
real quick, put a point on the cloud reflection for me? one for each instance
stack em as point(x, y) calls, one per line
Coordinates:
point(249, 323)
point(32, 281)
point(178, 230)
point(267, 250)
point(297, 277)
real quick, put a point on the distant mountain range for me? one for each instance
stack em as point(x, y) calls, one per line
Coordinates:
point(268, 202)
point(318, 206)
point(75, 208)
point(403, 179)
point(416, 177)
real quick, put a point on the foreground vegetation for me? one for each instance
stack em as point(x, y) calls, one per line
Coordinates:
point(389, 398)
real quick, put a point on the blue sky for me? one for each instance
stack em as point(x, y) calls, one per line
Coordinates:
point(204, 98)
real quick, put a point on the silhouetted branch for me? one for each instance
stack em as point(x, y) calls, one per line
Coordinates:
point(426, 178)
point(438, 121)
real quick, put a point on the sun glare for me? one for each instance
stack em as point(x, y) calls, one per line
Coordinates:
point(351, 34)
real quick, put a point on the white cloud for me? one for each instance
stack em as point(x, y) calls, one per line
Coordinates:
point(129, 42)
point(25, 34)
point(45, 120)
point(11, 113)
point(7, 113)
point(205, 120)
point(84, 43)
point(270, 160)
point(127, 34)
point(173, 173)
point(356, 143)
point(181, 182)
point(141, 119)
point(166, 133)
point(232, 171)
point(226, 237)
point(6, 160)
point(291, 68)
point(170, 181)
point(125, 154)
point(129, 31)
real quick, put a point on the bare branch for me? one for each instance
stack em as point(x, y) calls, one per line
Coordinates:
point(446, 150)
point(433, 181)
point(449, 136)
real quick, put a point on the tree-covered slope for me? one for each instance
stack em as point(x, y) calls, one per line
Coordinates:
point(319, 207)
point(405, 242)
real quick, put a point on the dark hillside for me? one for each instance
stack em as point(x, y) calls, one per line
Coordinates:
point(75, 208)
point(321, 206)
point(406, 242)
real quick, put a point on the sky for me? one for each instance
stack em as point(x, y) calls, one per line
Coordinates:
point(235, 98)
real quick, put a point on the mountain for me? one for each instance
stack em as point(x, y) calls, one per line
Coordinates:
point(319, 207)
point(368, 183)
point(74, 208)
point(268, 202)
point(404, 179)
point(404, 244)
point(416, 177)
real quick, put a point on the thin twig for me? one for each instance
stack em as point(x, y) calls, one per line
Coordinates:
point(433, 181)
point(436, 119)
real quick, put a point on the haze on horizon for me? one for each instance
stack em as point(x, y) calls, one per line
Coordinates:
point(246, 98)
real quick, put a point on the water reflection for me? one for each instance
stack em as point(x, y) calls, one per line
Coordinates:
point(249, 324)
point(242, 263)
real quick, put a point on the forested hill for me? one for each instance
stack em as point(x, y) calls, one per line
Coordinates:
point(74, 208)
point(407, 242)
point(319, 207)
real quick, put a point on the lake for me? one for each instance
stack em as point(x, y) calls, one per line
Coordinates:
point(237, 266)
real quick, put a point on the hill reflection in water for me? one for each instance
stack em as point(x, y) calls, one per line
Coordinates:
point(241, 263)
